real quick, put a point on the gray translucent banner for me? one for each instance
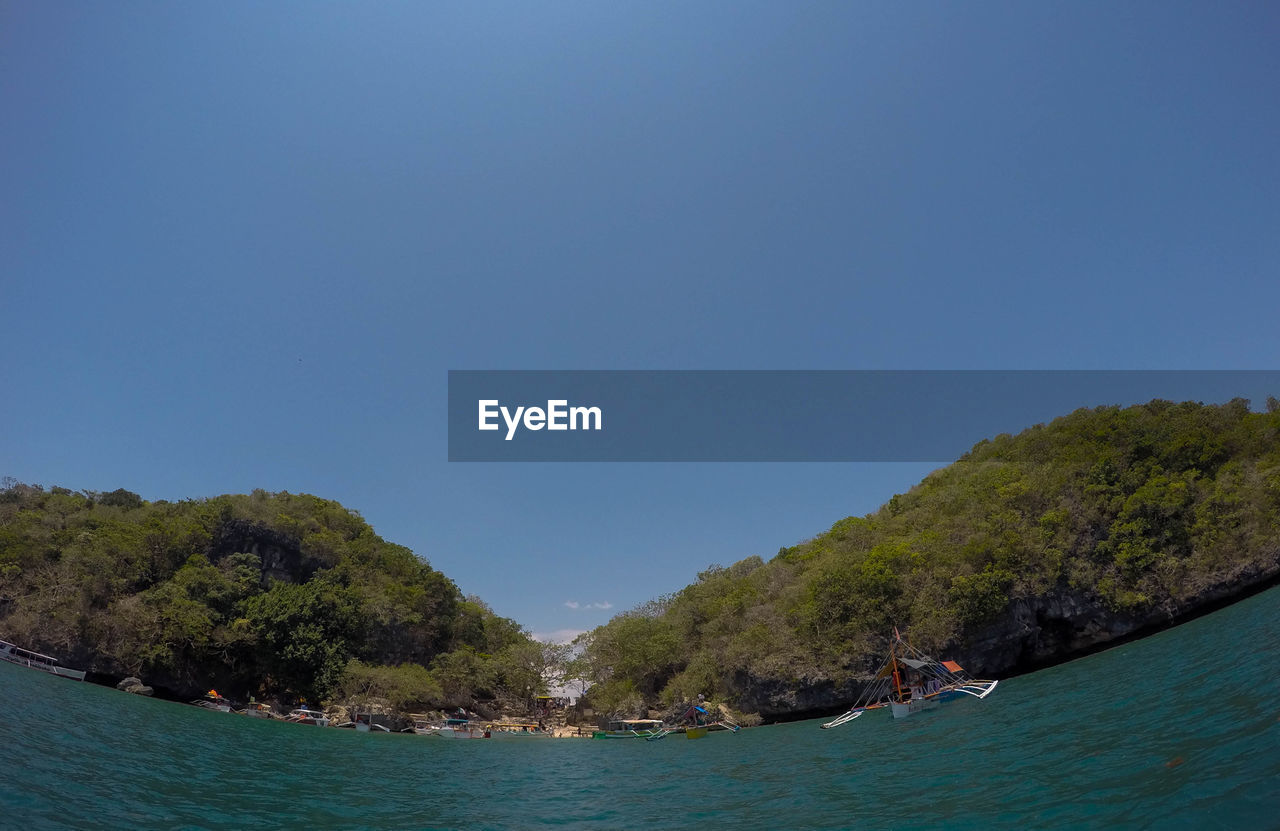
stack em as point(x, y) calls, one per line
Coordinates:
point(790, 416)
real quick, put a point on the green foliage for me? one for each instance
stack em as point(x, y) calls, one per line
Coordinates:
point(617, 695)
point(120, 498)
point(305, 634)
point(637, 648)
point(700, 677)
point(463, 675)
point(406, 687)
point(977, 598)
point(521, 666)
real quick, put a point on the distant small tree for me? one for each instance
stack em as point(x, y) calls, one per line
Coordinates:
point(121, 498)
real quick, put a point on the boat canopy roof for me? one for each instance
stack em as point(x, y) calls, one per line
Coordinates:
point(15, 648)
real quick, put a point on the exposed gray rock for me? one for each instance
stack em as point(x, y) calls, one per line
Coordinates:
point(135, 686)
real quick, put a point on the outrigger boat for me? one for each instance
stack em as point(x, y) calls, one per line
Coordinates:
point(911, 682)
point(304, 715)
point(450, 728)
point(45, 663)
point(213, 701)
point(633, 728)
point(696, 725)
point(364, 723)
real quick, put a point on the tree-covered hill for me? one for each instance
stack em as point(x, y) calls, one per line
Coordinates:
point(268, 594)
point(1029, 549)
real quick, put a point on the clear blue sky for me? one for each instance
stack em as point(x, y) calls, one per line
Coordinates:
point(241, 243)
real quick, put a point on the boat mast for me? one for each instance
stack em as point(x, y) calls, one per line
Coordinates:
point(893, 658)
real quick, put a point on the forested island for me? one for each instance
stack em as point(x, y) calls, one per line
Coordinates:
point(272, 595)
point(1030, 549)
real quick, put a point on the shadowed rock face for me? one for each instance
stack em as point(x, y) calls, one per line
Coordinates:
point(784, 699)
point(815, 692)
point(1041, 631)
point(161, 683)
point(281, 557)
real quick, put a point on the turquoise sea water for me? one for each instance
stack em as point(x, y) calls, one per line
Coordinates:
point(1089, 744)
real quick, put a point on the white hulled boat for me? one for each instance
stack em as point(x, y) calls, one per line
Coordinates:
point(15, 654)
point(911, 682)
point(304, 715)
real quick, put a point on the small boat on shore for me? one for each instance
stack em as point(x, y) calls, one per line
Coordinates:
point(256, 709)
point(633, 728)
point(15, 654)
point(450, 728)
point(304, 715)
point(213, 701)
point(911, 682)
point(363, 723)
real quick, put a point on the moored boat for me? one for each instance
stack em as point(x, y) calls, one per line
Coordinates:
point(696, 723)
point(256, 709)
point(305, 715)
point(632, 728)
point(15, 654)
point(911, 682)
point(449, 728)
point(364, 723)
point(213, 701)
